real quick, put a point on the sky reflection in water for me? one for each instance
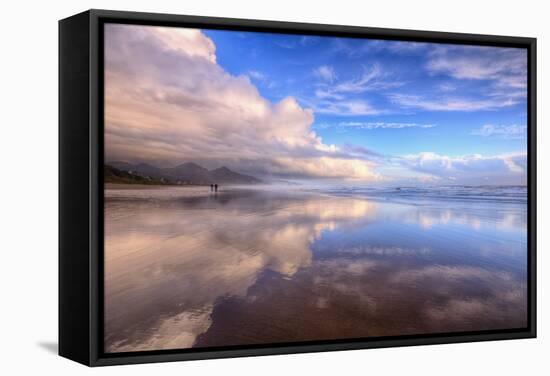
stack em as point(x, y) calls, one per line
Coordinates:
point(185, 268)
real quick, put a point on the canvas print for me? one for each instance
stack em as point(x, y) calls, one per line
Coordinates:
point(266, 188)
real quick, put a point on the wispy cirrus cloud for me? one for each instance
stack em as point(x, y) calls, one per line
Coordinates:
point(346, 97)
point(256, 75)
point(372, 78)
point(506, 66)
point(503, 70)
point(476, 79)
point(382, 125)
point(442, 103)
point(344, 107)
point(262, 79)
point(358, 48)
point(325, 72)
point(324, 94)
point(512, 131)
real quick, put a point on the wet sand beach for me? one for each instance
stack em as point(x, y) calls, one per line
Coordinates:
point(185, 267)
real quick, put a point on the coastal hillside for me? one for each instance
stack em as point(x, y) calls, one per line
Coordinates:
point(190, 173)
point(183, 174)
point(114, 175)
point(226, 176)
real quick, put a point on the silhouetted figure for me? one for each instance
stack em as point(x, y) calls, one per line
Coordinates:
point(215, 188)
point(211, 187)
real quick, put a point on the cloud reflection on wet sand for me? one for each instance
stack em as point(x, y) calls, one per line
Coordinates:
point(168, 262)
point(185, 268)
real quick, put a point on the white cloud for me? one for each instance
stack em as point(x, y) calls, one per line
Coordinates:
point(446, 87)
point(189, 41)
point(325, 94)
point(346, 108)
point(364, 82)
point(506, 66)
point(326, 73)
point(450, 104)
point(469, 169)
point(372, 78)
point(256, 75)
point(499, 75)
point(382, 125)
point(261, 78)
point(344, 97)
point(512, 131)
point(504, 69)
point(167, 101)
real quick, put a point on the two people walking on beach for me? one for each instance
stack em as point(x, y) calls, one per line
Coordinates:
point(213, 188)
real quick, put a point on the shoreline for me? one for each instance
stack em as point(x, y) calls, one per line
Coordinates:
point(126, 186)
point(426, 197)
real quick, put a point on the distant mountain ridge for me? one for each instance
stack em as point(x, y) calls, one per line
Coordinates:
point(114, 175)
point(187, 173)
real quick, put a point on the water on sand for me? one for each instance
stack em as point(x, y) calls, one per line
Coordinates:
point(188, 268)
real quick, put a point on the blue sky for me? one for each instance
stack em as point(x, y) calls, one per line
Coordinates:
point(307, 107)
point(317, 70)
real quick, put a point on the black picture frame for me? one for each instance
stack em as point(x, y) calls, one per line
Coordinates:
point(81, 186)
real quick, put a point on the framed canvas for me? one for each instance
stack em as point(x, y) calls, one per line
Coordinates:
point(239, 187)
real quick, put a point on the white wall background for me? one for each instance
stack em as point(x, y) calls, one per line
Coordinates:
point(28, 210)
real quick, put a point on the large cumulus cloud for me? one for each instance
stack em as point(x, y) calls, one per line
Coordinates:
point(167, 101)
